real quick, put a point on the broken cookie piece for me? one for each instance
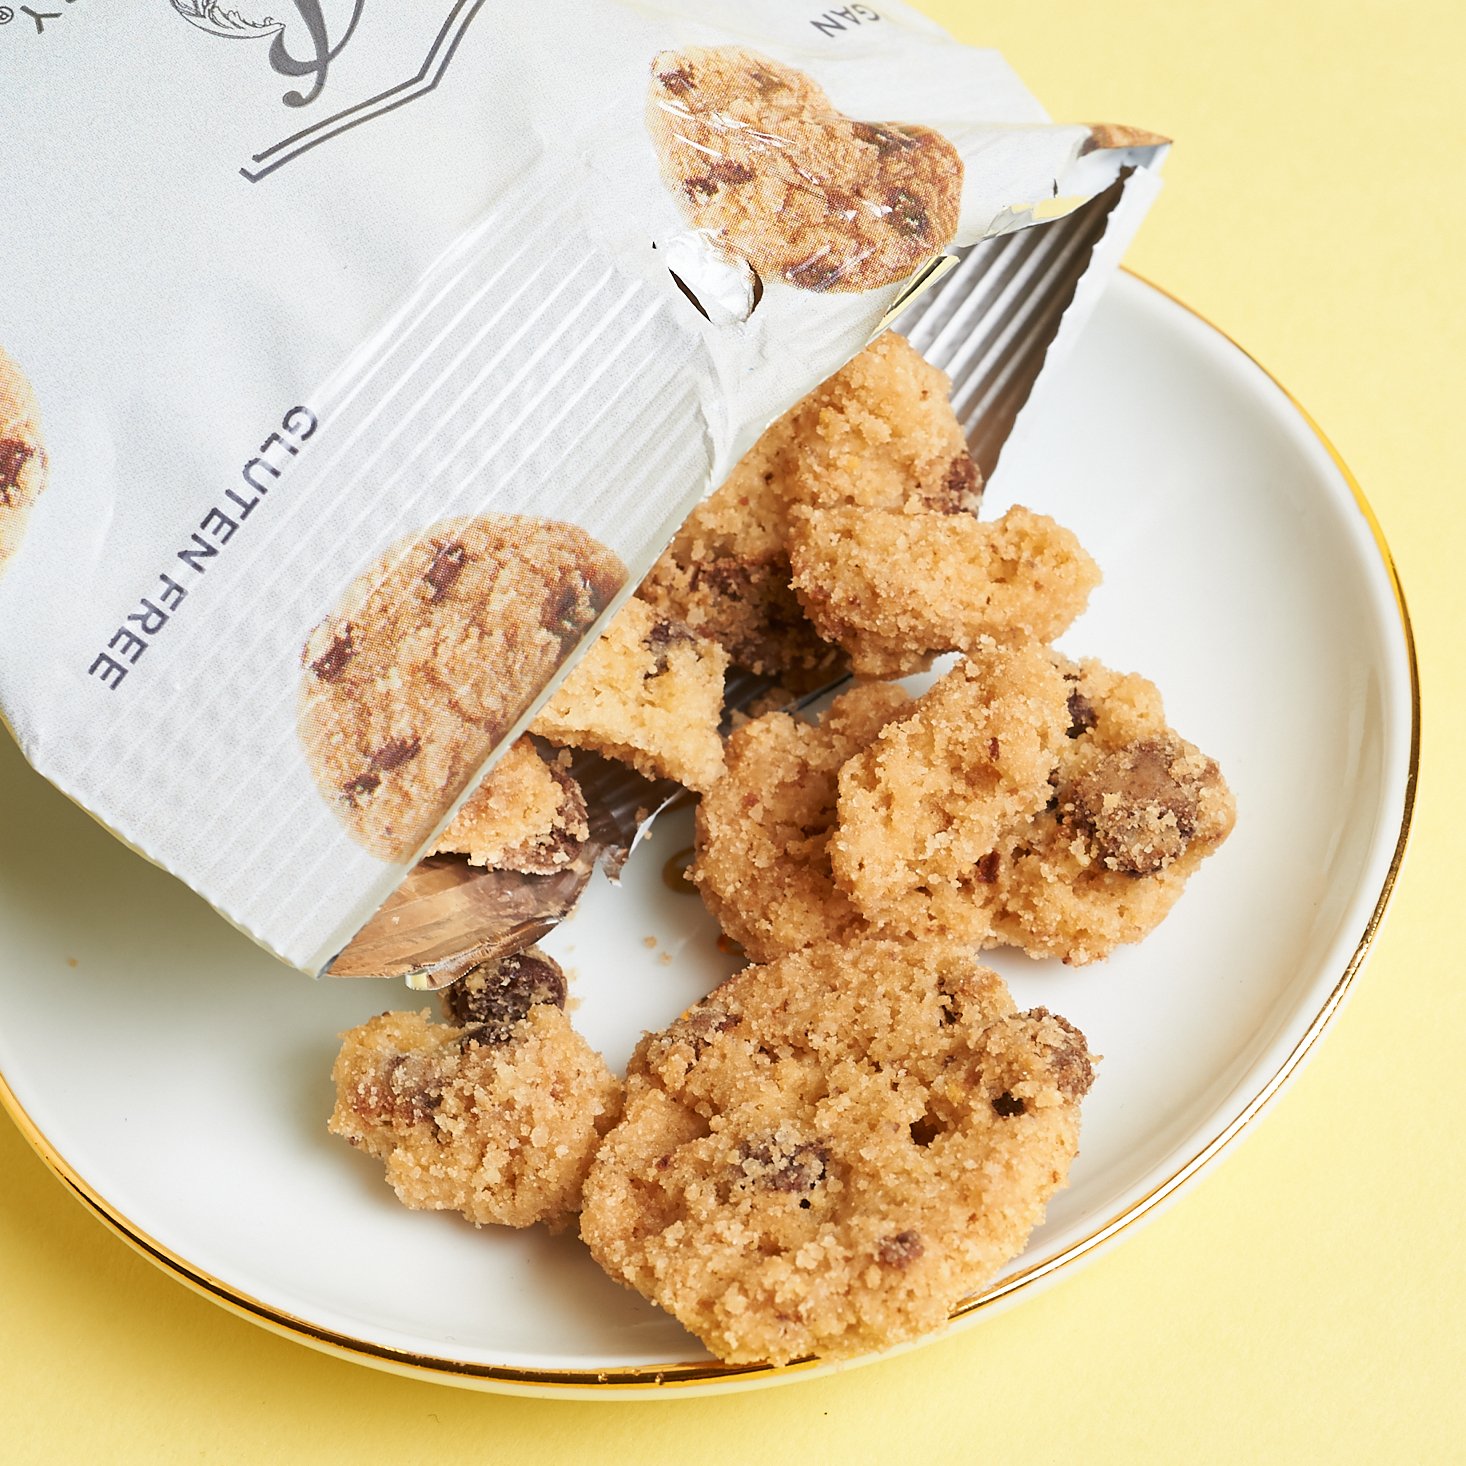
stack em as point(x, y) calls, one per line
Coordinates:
point(827, 1154)
point(879, 434)
point(893, 589)
point(497, 995)
point(1134, 811)
point(497, 1117)
point(528, 815)
point(924, 809)
point(726, 573)
point(649, 693)
point(763, 865)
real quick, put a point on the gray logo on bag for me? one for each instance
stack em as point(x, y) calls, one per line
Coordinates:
point(306, 36)
point(254, 20)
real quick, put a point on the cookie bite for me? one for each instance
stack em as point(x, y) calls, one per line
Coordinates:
point(650, 693)
point(924, 808)
point(23, 467)
point(829, 1153)
point(495, 1114)
point(528, 815)
point(762, 863)
point(1134, 810)
point(879, 434)
point(893, 589)
point(763, 165)
point(726, 572)
point(434, 651)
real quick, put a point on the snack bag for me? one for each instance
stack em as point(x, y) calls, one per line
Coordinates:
point(356, 360)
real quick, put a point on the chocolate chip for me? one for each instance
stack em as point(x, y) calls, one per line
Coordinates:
point(730, 170)
point(1008, 1104)
point(885, 138)
point(900, 1250)
point(1082, 716)
point(907, 213)
point(573, 607)
point(739, 578)
point(702, 1025)
point(407, 1091)
point(14, 455)
point(447, 566)
point(718, 171)
point(1068, 1053)
point(332, 662)
point(776, 1165)
point(664, 633)
point(960, 491)
point(819, 272)
point(988, 866)
point(1137, 808)
point(490, 1000)
point(678, 82)
point(994, 748)
point(361, 786)
point(395, 752)
point(550, 851)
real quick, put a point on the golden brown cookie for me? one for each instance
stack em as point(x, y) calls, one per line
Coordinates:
point(650, 693)
point(1135, 810)
point(828, 1153)
point(925, 807)
point(23, 467)
point(495, 1114)
point(528, 815)
point(893, 589)
point(726, 572)
point(436, 649)
point(763, 165)
point(763, 830)
point(879, 434)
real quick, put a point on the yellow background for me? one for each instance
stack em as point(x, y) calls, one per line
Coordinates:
point(1305, 1301)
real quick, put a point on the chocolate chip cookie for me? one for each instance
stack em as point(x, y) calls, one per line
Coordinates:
point(436, 649)
point(649, 693)
point(762, 164)
point(894, 588)
point(22, 456)
point(879, 435)
point(762, 864)
point(495, 1114)
point(924, 809)
point(828, 1153)
point(528, 815)
point(726, 572)
point(1133, 811)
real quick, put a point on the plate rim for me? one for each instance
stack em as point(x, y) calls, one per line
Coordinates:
point(651, 1381)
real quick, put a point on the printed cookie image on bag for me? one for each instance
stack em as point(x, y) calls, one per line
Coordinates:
point(762, 163)
point(22, 457)
point(436, 649)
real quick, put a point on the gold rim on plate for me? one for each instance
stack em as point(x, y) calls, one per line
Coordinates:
point(658, 1378)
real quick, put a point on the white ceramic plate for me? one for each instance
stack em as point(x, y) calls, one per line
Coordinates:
point(177, 1078)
